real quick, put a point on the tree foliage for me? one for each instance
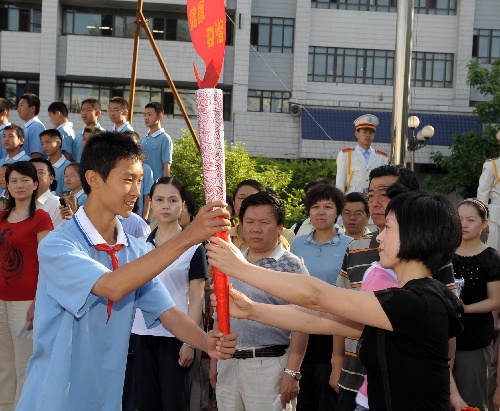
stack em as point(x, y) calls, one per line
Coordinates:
point(469, 150)
point(287, 178)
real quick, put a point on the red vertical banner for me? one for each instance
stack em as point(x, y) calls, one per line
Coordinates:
point(207, 26)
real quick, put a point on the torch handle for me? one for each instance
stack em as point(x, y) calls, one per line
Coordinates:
point(221, 289)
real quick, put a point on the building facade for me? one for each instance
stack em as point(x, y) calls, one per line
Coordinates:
point(296, 72)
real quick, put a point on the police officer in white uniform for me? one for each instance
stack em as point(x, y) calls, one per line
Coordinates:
point(355, 163)
point(489, 188)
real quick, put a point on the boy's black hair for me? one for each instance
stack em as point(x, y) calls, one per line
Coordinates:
point(26, 168)
point(93, 130)
point(133, 135)
point(52, 133)
point(157, 106)
point(404, 176)
point(121, 101)
point(19, 130)
point(103, 152)
point(4, 105)
point(356, 197)
point(96, 106)
point(429, 228)
point(264, 198)
point(58, 106)
point(32, 100)
point(325, 192)
point(252, 183)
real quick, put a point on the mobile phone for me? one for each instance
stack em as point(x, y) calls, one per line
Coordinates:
point(62, 201)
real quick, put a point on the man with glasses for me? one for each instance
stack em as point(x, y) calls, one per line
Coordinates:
point(45, 200)
point(355, 215)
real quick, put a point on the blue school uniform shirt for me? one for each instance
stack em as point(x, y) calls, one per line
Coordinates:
point(3, 151)
point(147, 183)
point(32, 130)
point(77, 143)
point(78, 360)
point(322, 261)
point(68, 136)
point(81, 197)
point(59, 167)
point(124, 127)
point(158, 149)
point(22, 156)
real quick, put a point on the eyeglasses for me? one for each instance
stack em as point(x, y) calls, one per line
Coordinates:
point(348, 214)
point(71, 176)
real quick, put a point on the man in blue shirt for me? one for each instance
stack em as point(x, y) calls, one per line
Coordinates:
point(89, 287)
point(28, 109)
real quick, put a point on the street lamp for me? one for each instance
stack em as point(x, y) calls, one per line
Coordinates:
point(416, 142)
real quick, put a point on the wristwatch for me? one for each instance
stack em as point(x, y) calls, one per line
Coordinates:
point(295, 374)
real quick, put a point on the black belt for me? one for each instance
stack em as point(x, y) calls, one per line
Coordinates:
point(270, 351)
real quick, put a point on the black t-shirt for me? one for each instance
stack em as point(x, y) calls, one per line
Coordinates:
point(477, 271)
point(423, 315)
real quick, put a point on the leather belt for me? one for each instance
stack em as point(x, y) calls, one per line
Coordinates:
point(270, 351)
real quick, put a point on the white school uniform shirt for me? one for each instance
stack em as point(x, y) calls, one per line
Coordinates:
point(125, 127)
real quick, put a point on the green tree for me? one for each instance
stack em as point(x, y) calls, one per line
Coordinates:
point(469, 150)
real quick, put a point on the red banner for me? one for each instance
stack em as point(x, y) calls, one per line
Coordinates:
point(207, 26)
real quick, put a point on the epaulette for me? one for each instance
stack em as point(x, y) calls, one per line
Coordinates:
point(382, 153)
point(345, 150)
point(492, 159)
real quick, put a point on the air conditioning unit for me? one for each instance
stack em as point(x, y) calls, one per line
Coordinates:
point(295, 109)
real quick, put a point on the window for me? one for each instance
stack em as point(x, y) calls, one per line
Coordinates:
point(25, 17)
point(12, 89)
point(74, 93)
point(432, 70)
point(272, 34)
point(356, 66)
point(447, 7)
point(120, 23)
point(486, 45)
point(268, 101)
point(359, 66)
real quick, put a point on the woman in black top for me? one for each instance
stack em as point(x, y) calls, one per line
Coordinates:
point(479, 267)
point(404, 331)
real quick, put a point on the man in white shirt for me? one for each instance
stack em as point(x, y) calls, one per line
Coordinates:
point(45, 200)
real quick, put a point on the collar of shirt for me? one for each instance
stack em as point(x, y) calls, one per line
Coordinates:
point(16, 157)
point(3, 126)
point(363, 151)
point(79, 194)
point(30, 122)
point(122, 127)
point(96, 126)
point(59, 162)
point(275, 255)
point(45, 196)
point(156, 133)
point(335, 240)
point(90, 233)
point(67, 124)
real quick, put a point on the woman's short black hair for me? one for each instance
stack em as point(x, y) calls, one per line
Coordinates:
point(103, 152)
point(169, 180)
point(190, 204)
point(429, 228)
point(26, 168)
point(252, 183)
point(325, 192)
point(264, 198)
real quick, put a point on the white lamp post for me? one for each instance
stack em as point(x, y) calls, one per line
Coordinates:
point(416, 142)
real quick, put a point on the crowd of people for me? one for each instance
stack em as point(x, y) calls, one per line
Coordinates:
point(384, 298)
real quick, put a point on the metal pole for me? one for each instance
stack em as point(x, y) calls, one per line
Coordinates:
point(412, 148)
point(135, 58)
point(169, 79)
point(402, 72)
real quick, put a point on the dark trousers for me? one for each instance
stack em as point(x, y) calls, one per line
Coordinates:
point(315, 393)
point(162, 384)
point(128, 397)
point(347, 400)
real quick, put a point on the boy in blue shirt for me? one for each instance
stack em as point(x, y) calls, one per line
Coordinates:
point(28, 109)
point(157, 144)
point(52, 141)
point(90, 112)
point(58, 113)
point(117, 113)
point(4, 122)
point(12, 142)
point(89, 287)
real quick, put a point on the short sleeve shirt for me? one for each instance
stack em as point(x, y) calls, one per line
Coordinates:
point(79, 358)
point(18, 248)
point(158, 149)
point(32, 130)
point(423, 315)
point(68, 137)
point(147, 183)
